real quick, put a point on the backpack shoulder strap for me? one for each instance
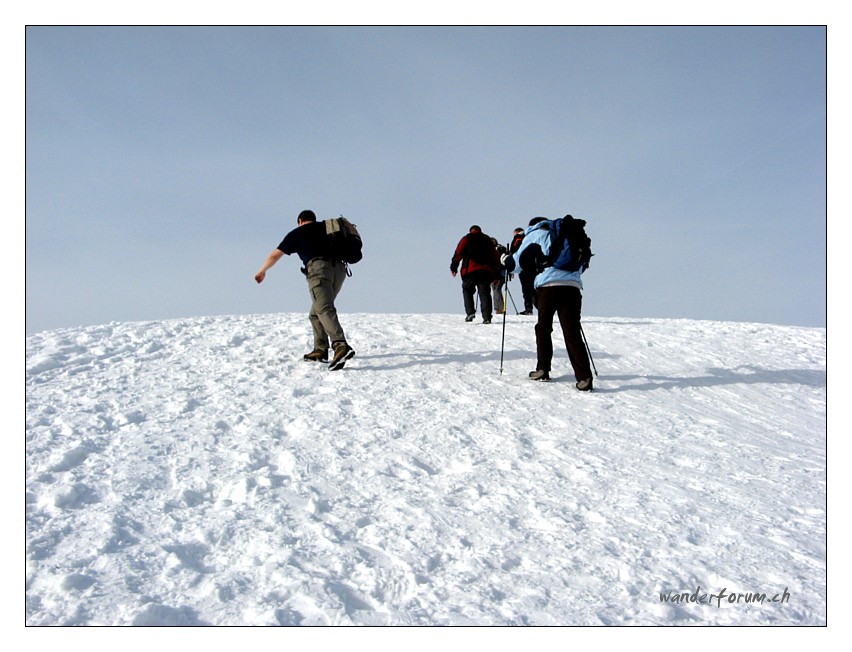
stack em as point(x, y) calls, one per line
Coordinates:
point(557, 235)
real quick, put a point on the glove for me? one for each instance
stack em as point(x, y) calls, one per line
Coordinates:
point(508, 262)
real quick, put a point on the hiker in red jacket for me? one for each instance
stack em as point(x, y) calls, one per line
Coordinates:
point(479, 268)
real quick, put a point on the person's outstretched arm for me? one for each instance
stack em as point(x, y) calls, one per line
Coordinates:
point(273, 258)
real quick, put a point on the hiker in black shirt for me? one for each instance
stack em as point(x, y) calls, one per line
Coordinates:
point(325, 278)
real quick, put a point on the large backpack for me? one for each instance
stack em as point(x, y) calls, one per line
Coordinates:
point(570, 247)
point(480, 250)
point(344, 241)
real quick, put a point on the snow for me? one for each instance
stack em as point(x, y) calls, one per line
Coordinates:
point(198, 472)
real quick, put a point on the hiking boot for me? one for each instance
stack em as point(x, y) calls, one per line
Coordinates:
point(486, 320)
point(470, 318)
point(540, 375)
point(342, 353)
point(317, 355)
point(526, 312)
point(584, 385)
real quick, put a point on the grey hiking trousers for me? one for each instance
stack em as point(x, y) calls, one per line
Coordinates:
point(325, 278)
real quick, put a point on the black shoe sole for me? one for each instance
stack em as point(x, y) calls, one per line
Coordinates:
point(545, 379)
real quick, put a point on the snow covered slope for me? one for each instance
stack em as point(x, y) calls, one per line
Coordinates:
point(198, 471)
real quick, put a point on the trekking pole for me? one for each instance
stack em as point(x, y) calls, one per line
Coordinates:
point(511, 297)
point(503, 342)
point(588, 350)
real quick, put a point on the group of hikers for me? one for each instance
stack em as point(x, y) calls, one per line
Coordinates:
point(483, 272)
point(547, 258)
point(554, 289)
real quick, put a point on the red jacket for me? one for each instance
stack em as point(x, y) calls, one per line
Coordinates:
point(516, 242)
point(476, 253)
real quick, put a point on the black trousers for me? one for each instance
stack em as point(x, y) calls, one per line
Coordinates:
point(471, 284)
point(566, 303)
point(526, 278)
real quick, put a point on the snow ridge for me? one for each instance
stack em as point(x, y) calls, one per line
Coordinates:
point(198, 472)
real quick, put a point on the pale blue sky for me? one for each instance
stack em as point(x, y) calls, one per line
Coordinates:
point(164, 164)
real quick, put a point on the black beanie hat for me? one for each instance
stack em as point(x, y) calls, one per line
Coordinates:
point(308, 216)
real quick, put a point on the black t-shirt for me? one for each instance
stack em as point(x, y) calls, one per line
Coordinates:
point(308, 240)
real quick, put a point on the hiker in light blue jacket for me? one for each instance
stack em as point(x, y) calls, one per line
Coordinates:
point(538, 236)
point(558, 292)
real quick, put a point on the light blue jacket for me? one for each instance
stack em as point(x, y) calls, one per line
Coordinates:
point(538, 234)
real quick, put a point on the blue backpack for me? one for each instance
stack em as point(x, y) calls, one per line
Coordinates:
point(570, 247)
